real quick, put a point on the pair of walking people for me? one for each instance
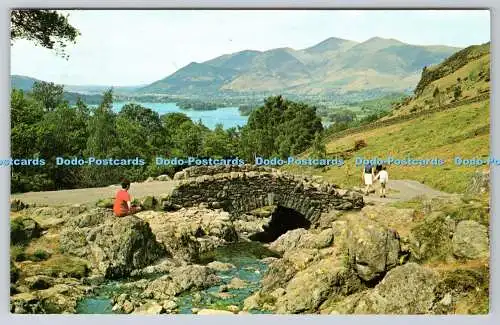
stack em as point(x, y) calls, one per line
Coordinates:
point(370, 175)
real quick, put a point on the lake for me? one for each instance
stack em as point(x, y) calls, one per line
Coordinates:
point(227, 116)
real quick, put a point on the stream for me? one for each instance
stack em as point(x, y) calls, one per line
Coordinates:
point(245, 256)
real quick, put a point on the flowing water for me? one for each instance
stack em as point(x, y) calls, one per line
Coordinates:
point(245, 256)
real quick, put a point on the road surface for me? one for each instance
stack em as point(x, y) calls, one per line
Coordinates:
point(399, 190)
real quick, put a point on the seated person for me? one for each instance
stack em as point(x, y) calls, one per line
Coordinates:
point(123, 206)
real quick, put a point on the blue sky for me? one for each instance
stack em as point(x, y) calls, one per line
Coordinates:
point(125, 47)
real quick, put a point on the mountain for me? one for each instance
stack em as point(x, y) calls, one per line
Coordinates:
point(22, 82)
point(26, 83)
point(460, 131)
point(333, 66)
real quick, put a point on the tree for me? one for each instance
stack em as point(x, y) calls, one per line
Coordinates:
point(318, 147)
point(457, 92)
point(45, 28)
point(280, 127)
point(102, 143)
point(437, 96)
point(49, 94)
point(102, 130)
point(217, 143)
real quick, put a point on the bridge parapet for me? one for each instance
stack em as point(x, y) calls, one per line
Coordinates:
point(242, 191)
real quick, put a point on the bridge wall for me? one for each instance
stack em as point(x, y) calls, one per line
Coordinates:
point(239, 192)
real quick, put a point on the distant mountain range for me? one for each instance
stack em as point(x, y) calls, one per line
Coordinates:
point(26, 83)
point(333, 66)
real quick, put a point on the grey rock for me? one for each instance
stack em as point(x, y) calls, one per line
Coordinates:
point(470, 240)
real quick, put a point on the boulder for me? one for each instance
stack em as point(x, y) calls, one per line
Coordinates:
point(115, 246)
point(323, 279)
point(24, 229)
point(162, 266)
point(278, 274)
point(38, 282)
point(180, 175)
point(407, 289)
point(470, 240)
point(301, 238)
point(288, 240)
point(149, 203)
point(187, 233)
point(163, 178)
point(181, 279)
point(391, 217)
point(372, 248)
point(149, 180)
point(149, 308)
point(430, 239)
point(105, 203)
point(237, 283)
point(17, 205)
point(60, 298)
point(220, 266)
point(169, 305)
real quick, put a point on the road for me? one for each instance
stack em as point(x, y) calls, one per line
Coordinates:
point(405, 190)
point(89, 196)
point(399, 190)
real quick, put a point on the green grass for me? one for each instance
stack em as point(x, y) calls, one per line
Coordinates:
point(443, 135)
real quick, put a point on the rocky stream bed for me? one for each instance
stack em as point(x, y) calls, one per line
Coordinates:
point(430, 257)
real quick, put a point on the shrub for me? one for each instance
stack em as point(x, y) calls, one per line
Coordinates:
point(17, 253)
point(358, 144)
point(40, 255)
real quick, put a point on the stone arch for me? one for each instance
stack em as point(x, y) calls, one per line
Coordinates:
point(240, 192)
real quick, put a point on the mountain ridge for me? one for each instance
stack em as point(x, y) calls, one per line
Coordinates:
point(334, 65)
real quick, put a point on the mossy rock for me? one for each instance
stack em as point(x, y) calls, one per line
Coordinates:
point(431, 239)
point(58, 266)
point(149, 203)
point(468, 287)
point(105, 203)
point(17, 205)
point(14, 272)
point(22, 230)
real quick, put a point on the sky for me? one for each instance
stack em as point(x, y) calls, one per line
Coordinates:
point(137, 47)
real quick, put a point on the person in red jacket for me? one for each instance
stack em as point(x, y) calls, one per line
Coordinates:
point(123, 206)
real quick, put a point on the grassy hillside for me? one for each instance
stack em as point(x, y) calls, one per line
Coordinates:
point(461, 131)
point(445, 135)
point(468, 70)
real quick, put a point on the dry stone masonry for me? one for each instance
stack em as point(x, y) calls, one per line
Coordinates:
point(241, 191)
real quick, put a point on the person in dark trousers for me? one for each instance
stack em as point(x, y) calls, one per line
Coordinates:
point(123, 205)
point(368, 178)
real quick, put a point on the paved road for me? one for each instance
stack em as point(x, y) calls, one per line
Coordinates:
point(87, 196)
point(402, 190)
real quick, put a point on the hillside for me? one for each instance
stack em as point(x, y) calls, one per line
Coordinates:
point(467, 70)
point(22, 82)
point(329, 67)
point(26, 83)
point(461, 130)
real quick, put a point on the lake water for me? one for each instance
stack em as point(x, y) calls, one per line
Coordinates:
point(227, 116)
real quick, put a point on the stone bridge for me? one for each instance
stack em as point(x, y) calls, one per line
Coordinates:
point(252, 187)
